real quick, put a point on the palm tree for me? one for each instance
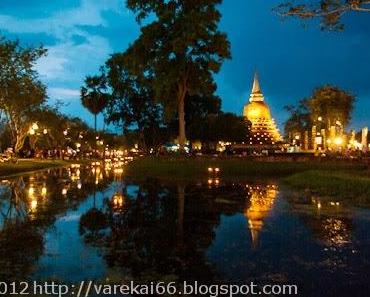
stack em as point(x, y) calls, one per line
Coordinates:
point(94, 96)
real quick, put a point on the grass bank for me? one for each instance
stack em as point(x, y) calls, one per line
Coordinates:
point(329, 178)
point(230, 167)
point(354, 184)
point(28, 165)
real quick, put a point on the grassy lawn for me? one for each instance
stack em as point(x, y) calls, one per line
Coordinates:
point(230, 167)
point(355, 184)
point(322, 177)
point(28, 165)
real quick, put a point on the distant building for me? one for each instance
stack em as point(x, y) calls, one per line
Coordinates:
point(263, 131)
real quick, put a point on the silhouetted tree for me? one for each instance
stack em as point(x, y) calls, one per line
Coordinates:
point(330, 12)
point(181, 48)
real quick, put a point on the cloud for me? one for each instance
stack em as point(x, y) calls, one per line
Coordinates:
point(69, 56)
point(64, 93)
point(64, 23)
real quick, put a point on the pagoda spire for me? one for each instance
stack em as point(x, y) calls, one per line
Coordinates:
point(256, 95)
point(256, 89)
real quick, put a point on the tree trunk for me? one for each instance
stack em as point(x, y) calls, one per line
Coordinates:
point(95, 122)
point(181, 114)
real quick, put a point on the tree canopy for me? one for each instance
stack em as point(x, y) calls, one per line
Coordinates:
point(330, 12)
point(94, 95)
point(21, 91)
point(328, 105)
point(180, 49)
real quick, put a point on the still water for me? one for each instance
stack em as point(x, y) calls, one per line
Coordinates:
point(83, 223)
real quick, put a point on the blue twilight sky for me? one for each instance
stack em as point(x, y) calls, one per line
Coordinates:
point(291, 58)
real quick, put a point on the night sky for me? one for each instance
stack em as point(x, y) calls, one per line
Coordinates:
point(292, 58)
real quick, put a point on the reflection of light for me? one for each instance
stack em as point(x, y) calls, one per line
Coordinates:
point(43, 191)
point(64, 192)
point(210, 169)
point(79, 185)
point(336, 231)
point(45, 131)
point(32, 132)
point(318, 205)
point(35, 126)
point(118, 171)
point(33, 204)
point(261, 201)
point(217, 169)
point(31, 191)
point(118, 200)
point(210, 181)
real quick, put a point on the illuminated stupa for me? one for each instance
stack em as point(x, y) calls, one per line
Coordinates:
point(263, 130)
point(261, 201)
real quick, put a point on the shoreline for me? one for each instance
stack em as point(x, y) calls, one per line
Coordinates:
point(27, 166)
point(324, 177)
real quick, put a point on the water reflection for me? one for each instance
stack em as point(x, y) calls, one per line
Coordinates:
point(93, 222)
point(260, 202)
point(31, 204)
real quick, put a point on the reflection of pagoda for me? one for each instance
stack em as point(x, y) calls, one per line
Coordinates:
point(261, 200)
point(263, 129)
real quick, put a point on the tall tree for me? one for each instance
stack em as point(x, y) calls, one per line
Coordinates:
point(299, 118)
point(329, 11)
point(132, 105)
point(21, 91)
point(181, 48)
point(94, 95)
point(332, 105)
point(327, 106)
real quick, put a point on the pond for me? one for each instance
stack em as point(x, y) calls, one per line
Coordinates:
point(88, 223)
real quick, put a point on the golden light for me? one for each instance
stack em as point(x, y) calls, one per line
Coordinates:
point(319, 205)
point(210, 169)
point(65, 132)
point(45, 131)
point(210, 181)
point(32, 131)
point(44, 191)
point(338, 141)
point(31, 191)
point(118, 171)
point(254, 113)
point(33, 204)
point(118, 200)
point(319, 119)
point(217, 169)
point(78, 145)
point(64, 192)
point(35, 126)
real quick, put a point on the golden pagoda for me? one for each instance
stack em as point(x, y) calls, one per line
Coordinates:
point(263, 130)
point(261, 201)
